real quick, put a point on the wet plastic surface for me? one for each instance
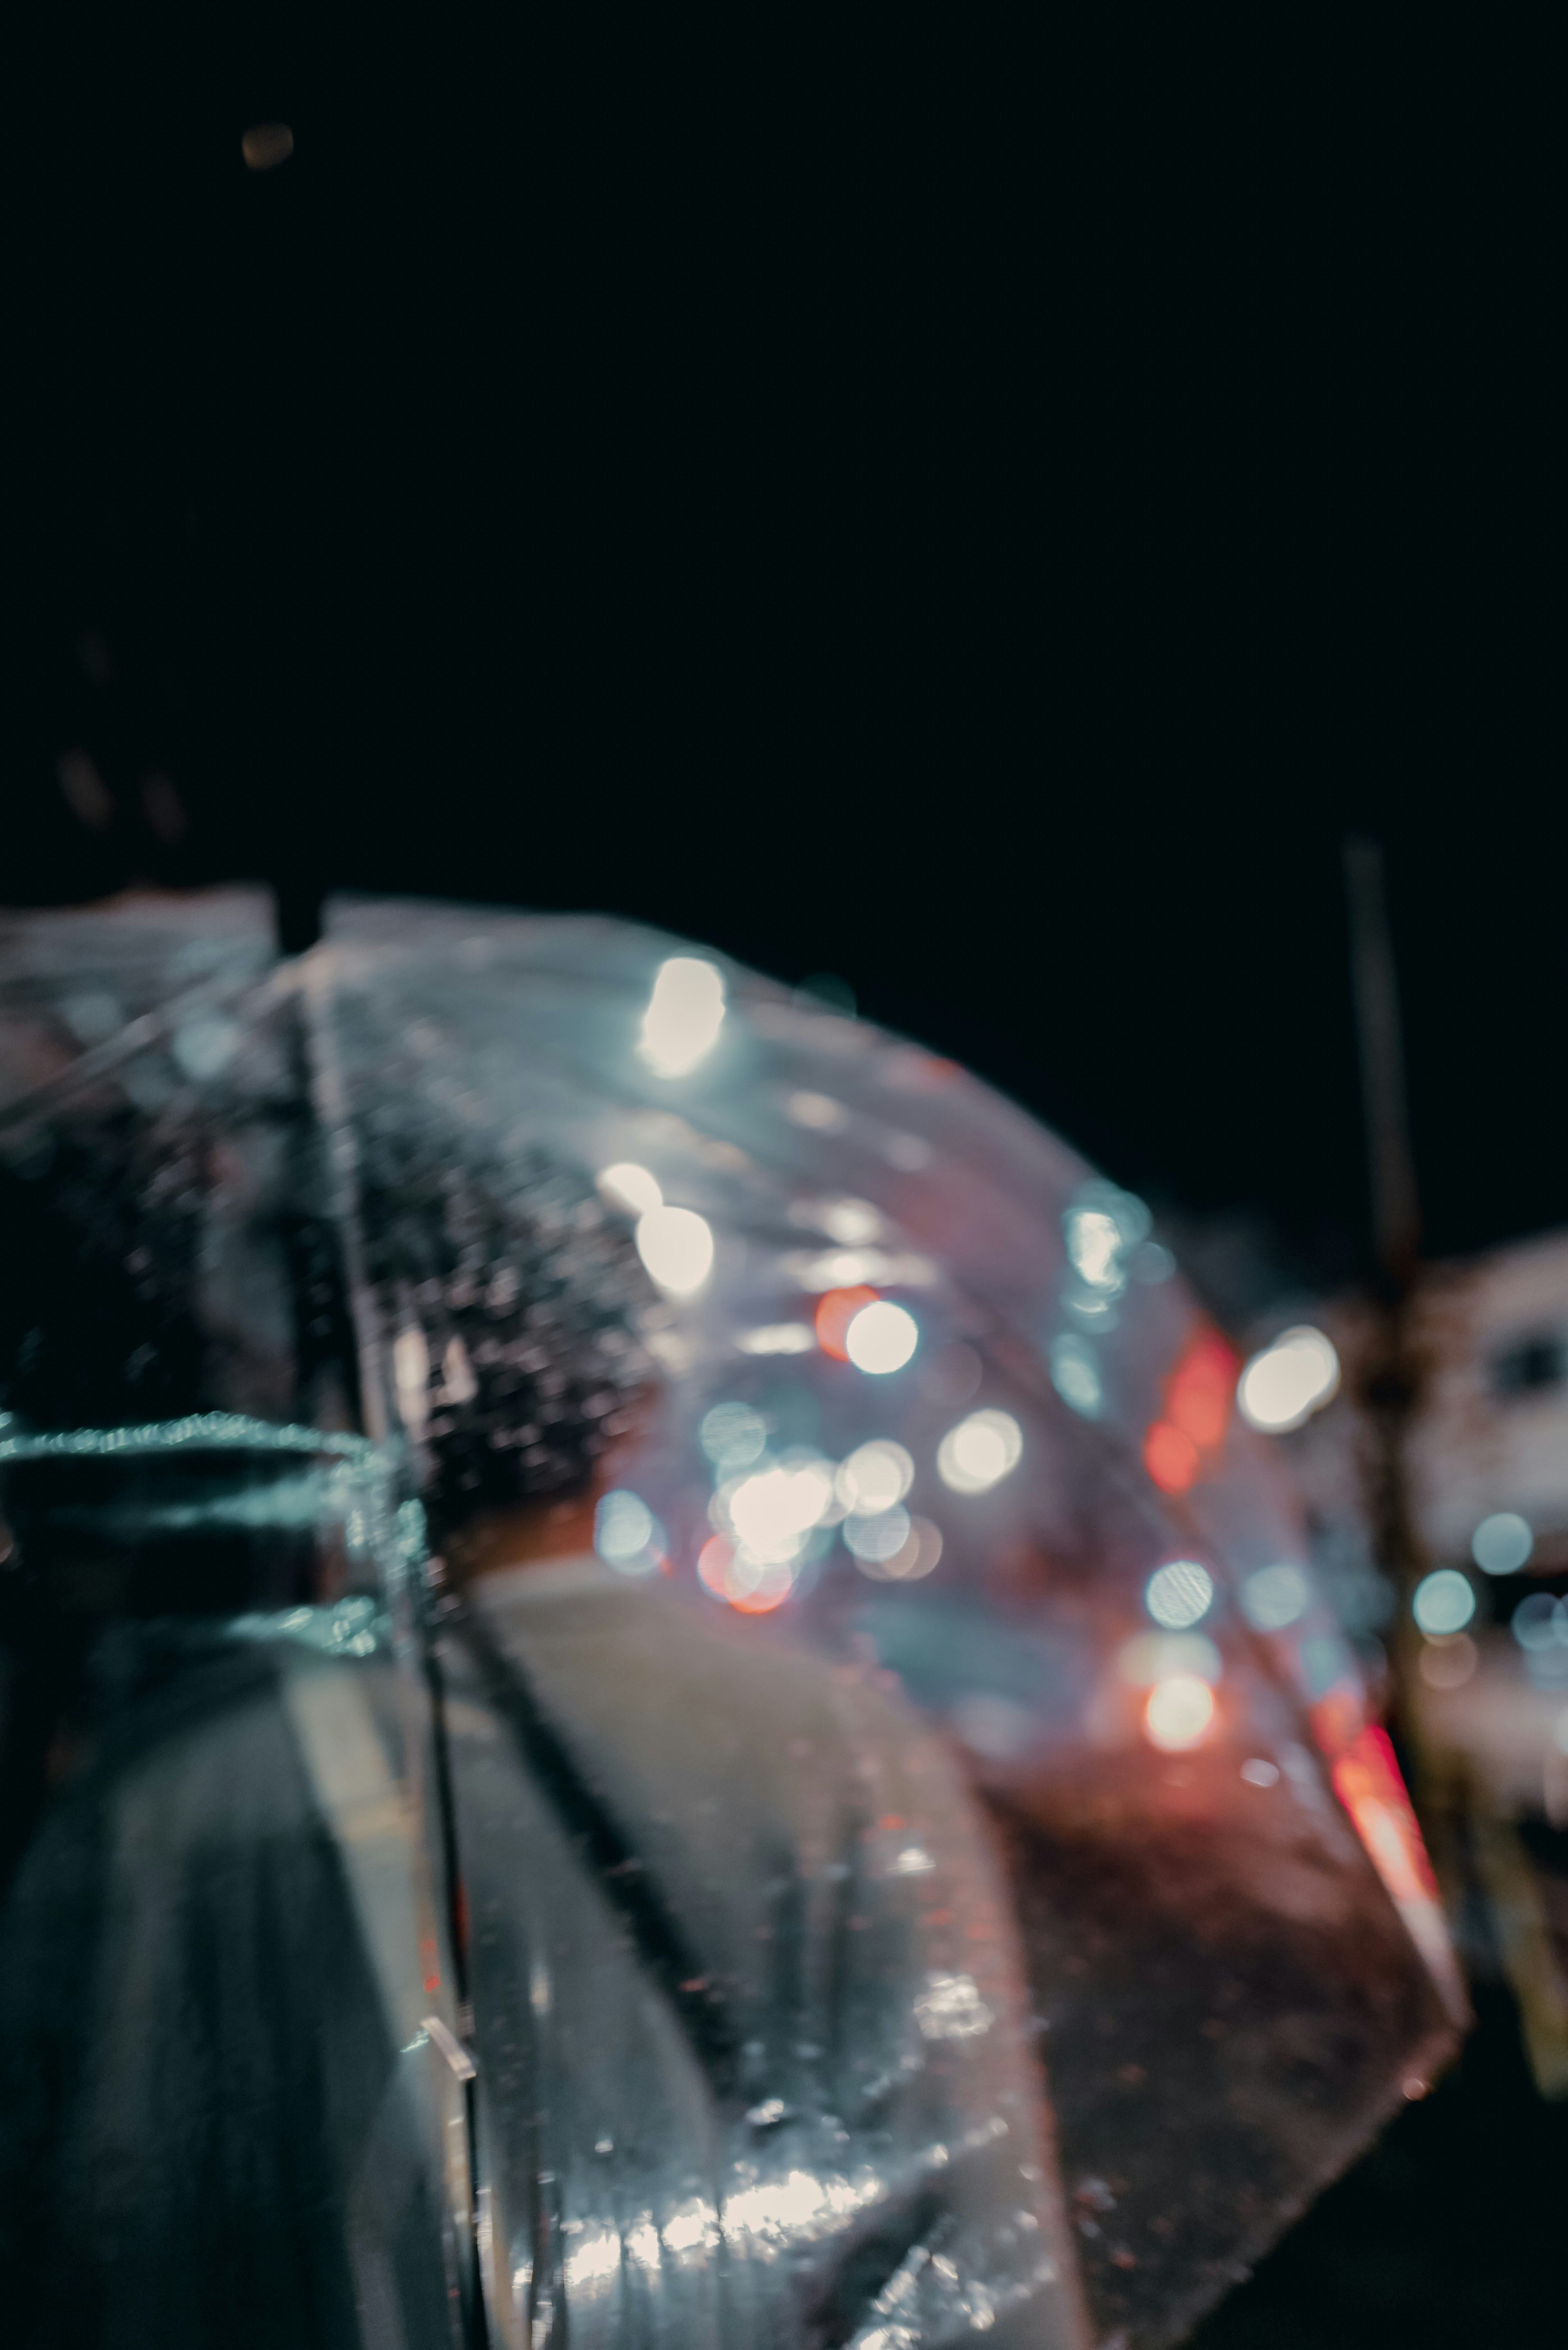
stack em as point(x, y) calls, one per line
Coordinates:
point(1228, 2000)
point(1225, 1997)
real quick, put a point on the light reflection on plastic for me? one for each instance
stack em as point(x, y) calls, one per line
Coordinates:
point(676, 1244)
point(1170, 1457)
point(879, 1538)
point(1151, 1657)
point(874, 1477)
point(1075, 1375)
point(917, 1555)
point(778, 1338)
point(627, 1186)
point(772, 1511)
point(684, 1015)
point(881, 1338)
point(1275, 1597)
point(1179, 1713)
point(1290, 1380)
point(853, 1224)
point(733, 1435)
point(1094, 1244)
point(980, 1452)
point(818, 1113)
point(754, 1586)
point(1367, 1782)
point(1179, 1595)
point(834, 1313)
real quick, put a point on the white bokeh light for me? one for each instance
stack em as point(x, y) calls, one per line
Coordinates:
point(630, 1187)
point(881, 1338)
point(980, 1452)
point(676, 1244)
point(1179, 1595)
point(685, 1014)
point(878, 1538)
point(771, 1512)
point(1502, 1544)
point(1179, 1710)
point(874, 1477)
point(1094, 1244)
point(1288, 1380)
point(1443, 1602)
point(778, 1338)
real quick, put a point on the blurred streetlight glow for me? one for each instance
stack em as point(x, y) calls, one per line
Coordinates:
point(630, 1187)
point(1288, 1380)
point(1179, 1710)
point(676, 1244)
point(684, 1015)
point(980, 1452)
point(882, 1337)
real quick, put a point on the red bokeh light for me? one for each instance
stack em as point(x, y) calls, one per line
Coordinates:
point(1170, 1457)
point(1200, 1391)
point(835, 1311)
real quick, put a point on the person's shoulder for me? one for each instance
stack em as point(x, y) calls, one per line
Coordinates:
point(646, 1666)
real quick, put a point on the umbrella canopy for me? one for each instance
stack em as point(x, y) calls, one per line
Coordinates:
point(934, 1396)
point(932, 1399)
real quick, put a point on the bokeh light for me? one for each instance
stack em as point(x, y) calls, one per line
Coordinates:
point(1443, 1602)
point(834, 1313)
point(1075, 1375)
point(920, 1551)
point(878, 1538)
point(1288, 1380)
point(630, 1187)
point(733, 1435)
point(1540, 1623)
point(684, 1015)
point(882, 1337)
point(874, 1477)
point(1179, 1595)
point(1177, 1713)
point(1151, 1657)
point(778, 1338)
point(772, 1512)
point(751, 1585)
point(818, 1113)
point(1170, 1457)
point(1275, 1597)
point(676, 1244)
point(1502, 1544)
point(980, 1452)
point(1094, 1246)
point(627, 1534)
point(1448, 1664)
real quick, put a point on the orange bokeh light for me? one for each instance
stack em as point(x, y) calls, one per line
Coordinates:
point(1170, 1457)
point(835, 1311)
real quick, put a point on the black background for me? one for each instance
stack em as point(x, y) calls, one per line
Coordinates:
point(978, 501)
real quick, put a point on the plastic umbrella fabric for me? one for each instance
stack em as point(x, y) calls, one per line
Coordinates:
point(935, 1397)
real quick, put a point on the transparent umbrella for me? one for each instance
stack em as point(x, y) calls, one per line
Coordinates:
point(935, 1397)
point(934, 1401)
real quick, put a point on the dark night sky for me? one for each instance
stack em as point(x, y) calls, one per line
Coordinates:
point(978, 501)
